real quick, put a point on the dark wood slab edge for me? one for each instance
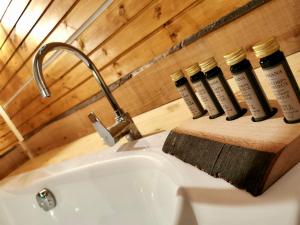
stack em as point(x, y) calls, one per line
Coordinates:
point(244, 168)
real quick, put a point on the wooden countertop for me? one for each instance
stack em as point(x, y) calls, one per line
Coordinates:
point(163, 118)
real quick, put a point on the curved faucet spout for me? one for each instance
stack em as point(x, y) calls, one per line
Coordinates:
point(124, 125)
point(39, 78)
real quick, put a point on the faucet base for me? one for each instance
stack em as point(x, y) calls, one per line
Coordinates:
point(124, 126)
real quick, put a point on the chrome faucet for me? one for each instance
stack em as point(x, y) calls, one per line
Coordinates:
point(124, 125)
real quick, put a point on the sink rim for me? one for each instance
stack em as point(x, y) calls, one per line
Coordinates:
point(24, 181)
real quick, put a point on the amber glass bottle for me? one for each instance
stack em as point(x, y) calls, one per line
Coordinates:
point(206, 95)
point(221, 89)
point(188, 94)
point(280, 78)
point(249, 85)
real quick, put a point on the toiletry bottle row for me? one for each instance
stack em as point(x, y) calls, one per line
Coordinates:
point(217, 97)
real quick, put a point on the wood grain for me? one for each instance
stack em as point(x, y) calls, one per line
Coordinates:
point(11, 17)
point(251, 156)
point(4, 129)
point(11, 160)
point(54, 14)
point(71, 83)
point(21, 29)
point(82, 73)
point(270, 135)
point(11, 125)
point(4, 6)
point(74, 77)
point(243, 167)
point(7, 141)
point(180, 59)
point(108, 23)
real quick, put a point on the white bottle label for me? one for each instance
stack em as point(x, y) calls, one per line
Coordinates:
point(205, 98)
point(186, 95)
point(222, 96)
point(283, 91)
point(250, 96)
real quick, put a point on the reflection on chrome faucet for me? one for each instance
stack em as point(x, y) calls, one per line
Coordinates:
point(124, 124)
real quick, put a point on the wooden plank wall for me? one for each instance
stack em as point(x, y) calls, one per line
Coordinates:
point(113, 42)
point(11, 160)
point(127, 35)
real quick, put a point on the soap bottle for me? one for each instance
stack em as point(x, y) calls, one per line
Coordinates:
point(245, 78)
point(280, 77)
point(188, 94)
point(206, 95)
point(221, 89)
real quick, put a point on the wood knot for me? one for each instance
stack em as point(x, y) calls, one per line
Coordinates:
point(119, 74)
point(173, 36)
point(157, 12)
point(122, 11)
point(23, 46)
point(80, 44)
point(104, 51)
point(65, 24)
point(115, 64)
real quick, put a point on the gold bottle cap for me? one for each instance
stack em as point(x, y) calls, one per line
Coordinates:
point(265, 48)
point(235, 56)
point(177, 75)
point(192, 69)
point(208, 64)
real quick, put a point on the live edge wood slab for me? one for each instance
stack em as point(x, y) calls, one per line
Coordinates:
point(249, 155)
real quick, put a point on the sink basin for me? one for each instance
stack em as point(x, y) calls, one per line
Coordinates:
point(138, 184)
point(124, 190)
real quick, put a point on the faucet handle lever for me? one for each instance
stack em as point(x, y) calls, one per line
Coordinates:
point(102, 130)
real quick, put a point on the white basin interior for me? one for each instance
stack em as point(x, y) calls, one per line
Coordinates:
point(125, 190)
point(138, 184)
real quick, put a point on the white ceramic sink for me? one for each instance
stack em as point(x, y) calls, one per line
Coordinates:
point(138, 184)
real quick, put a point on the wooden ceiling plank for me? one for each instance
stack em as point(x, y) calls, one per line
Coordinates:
point(22, 28)
point(4, 129)
point(10, 124)
point(4, 6)
point(55, 13)
point(12, 15)
point(7, 141)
